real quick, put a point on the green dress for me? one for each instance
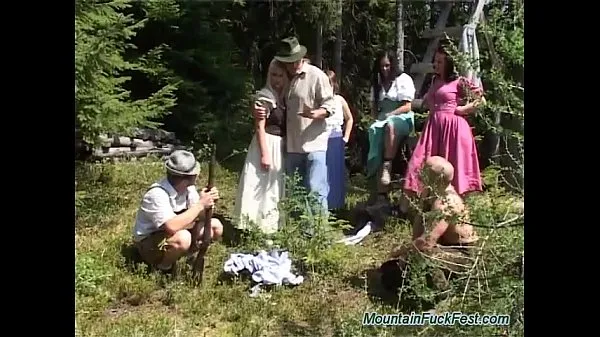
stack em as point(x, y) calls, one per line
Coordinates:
point(403, 126)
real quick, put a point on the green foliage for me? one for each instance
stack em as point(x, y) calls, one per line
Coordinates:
point(112, 299)
point(325, 12)
point(103, 104)
point(90, 276)
point(161, 9)
point(307, 233)
point(492, 280)
point(503, 71)
point(214, 94)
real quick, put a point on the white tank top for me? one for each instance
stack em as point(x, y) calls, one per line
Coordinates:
point(336, 120)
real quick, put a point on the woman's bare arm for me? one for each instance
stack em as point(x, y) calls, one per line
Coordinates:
point(261, 136)
point(469, 108)
point(476, 92)
point(348, 119)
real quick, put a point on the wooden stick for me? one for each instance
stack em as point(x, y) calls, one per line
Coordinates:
point(198, 266)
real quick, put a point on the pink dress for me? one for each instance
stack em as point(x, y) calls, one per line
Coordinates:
point(447, 135)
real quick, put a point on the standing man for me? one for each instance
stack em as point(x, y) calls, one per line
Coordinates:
point(309, 101)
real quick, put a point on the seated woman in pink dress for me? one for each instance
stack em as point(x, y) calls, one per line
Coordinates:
point(447, 133)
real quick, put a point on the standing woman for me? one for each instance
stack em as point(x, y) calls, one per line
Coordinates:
point(447, 133)
point(262, 184)
point(340, 126)
point(392, 92)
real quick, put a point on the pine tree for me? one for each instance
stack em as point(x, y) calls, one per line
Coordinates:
point(102, 102)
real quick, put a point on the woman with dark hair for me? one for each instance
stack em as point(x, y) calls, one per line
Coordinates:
point(446, 132)
point(392, 92)
point(339, 126)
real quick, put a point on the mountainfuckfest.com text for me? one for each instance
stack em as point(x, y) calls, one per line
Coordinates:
point(430, 318)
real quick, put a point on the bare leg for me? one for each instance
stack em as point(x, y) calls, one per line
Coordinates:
point(216, 234)
point(391, 143)
point(177, 246)
point(216, 225)
point(217, 229)
point(390, 149)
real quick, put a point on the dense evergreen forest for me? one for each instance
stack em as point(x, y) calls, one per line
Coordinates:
point(191, 66)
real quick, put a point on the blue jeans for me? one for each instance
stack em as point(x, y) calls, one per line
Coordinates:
point(312, 167)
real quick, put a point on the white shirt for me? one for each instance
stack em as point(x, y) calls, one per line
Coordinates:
point(402, 89)
point(159, 205)
point(336, 120)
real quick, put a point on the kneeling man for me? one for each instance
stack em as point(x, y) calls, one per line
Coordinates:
point(447, 236)
point(169, 209)
point(451, 227)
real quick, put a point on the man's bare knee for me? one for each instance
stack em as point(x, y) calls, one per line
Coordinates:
point(181, 240)
point(217, 228)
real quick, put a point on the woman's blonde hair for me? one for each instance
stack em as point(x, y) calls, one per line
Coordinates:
point(276, 64)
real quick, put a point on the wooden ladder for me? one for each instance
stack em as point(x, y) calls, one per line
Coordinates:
point(468, 42)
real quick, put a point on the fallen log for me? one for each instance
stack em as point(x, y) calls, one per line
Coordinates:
point(120, 141)
point(128, 152)
point(154, 135)
point(139, 143)
point(115, 150)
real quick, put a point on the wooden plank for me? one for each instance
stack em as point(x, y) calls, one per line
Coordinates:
point(126, 152)
point(450, 31)
point(432, 47)
point(142, 143)
point(115, 151)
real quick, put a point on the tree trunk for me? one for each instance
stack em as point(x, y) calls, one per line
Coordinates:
point(400, 34)
point(337, 48)
point(318, 59)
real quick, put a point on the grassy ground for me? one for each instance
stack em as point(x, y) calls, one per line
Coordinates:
point(113, 299)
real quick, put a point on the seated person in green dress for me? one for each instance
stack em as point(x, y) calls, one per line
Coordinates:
point(392, 92)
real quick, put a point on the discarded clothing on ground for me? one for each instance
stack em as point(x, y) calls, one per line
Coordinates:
point(355, 239)
point(271, 268)
point(369, 218)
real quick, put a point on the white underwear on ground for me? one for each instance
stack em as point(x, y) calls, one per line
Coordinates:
point(266, 268)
